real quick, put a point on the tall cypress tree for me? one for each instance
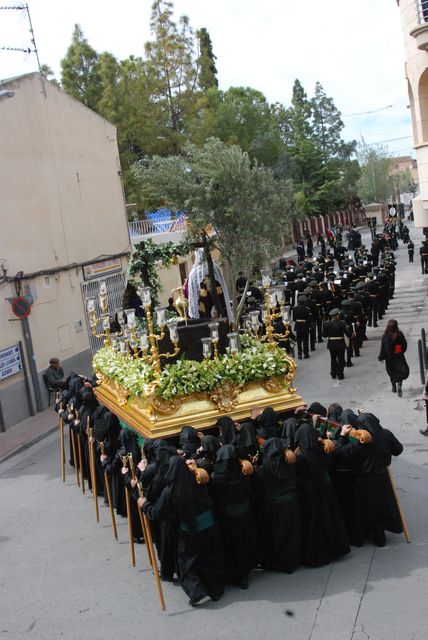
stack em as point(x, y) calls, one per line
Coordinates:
point(326, 123)
point(206, 61)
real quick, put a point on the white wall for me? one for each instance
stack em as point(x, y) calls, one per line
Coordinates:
point(61, 202)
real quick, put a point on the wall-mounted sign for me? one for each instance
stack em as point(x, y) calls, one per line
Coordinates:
point(21, 306)
point(98, 269)
point(10, 361)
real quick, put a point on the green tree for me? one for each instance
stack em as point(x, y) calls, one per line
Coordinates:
point(207, 77)
point(221, 189)
point(327, 124)
point(241, 116)
point(375, 183)
point(172, 70)
point(80, 71)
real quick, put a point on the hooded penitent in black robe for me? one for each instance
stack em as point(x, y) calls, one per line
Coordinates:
point(267, 424)
point(279, 512)
point(200, 562)
point(343, 479)
point(127, 443)
point(88, 406)
point(376, 509)
point(247, 441)
point(206, 454)
point(230, 489)
point(164, 530)
point(228, 432)
point(288, 432)
point(317, 408)
point(189, 441)
point(106, 430)
point(324, 536)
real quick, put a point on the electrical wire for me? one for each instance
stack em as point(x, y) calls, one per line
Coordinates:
point(363, 113)
point(49, 272)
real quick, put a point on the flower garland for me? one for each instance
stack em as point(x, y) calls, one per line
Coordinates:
point(254, 363)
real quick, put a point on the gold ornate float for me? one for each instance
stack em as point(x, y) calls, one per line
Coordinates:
point(158, 402)
point(154, 417)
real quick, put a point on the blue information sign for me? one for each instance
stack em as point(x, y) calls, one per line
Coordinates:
point(10, 361)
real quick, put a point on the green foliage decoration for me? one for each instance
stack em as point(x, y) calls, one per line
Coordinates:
point(148, 257)
point(254, 363)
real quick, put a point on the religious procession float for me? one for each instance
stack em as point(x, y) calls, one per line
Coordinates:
point(192, 370)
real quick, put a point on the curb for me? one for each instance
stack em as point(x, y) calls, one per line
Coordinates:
point(27, 445)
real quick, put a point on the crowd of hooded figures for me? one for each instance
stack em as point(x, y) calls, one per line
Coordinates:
point(273, 492)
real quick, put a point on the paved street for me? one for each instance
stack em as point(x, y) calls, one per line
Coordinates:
point(64, 576)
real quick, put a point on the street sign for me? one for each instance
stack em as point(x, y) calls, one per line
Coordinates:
point(21, 306)
point(10, 361)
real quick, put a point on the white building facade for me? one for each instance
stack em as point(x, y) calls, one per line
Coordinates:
point(63, 230)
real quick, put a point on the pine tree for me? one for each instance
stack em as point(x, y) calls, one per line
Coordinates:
point(80, 73)
point(171, 69)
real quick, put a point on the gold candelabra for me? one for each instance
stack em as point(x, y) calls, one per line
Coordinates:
point(211, 343)
point(274, 296)
point(149, 339)
point(104, 317)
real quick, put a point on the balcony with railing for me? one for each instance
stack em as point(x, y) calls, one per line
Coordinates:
point(160, 227)
point(420, 33)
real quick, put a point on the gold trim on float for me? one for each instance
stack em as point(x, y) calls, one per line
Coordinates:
point(154, 417)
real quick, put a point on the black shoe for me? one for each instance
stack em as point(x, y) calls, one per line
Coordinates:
point(394, 389)
point(379, 538)
point(333, 376)
point(357, 355)
point(340, 377)
point(349, 364)
point(399, 391)
point(138, 540)
point(312, 348)
point(424, 432)
point(243, 584)
point(375, 325)
point(306, 356)
point(320, 341)
point(195, 599)
point(300, 356)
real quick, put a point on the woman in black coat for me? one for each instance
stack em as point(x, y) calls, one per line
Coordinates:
point(392, 350)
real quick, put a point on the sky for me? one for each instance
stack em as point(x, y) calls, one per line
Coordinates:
point(355, 49)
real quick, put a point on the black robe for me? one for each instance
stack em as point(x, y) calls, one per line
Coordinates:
point(279, 512)
point(230, 490)
point(392, 352)
point(200, 562)
point(376, 509)
point(324, 534)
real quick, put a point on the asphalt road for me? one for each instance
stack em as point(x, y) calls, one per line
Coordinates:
point(64, 576)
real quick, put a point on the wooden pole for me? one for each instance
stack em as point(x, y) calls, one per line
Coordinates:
point(140, 514)
point(397, 499)
point(93, 471)
point(82, 473)
point(128, 514)
point(149, 543)
point(74, 448)
point(61, 437)
point(108, 493)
